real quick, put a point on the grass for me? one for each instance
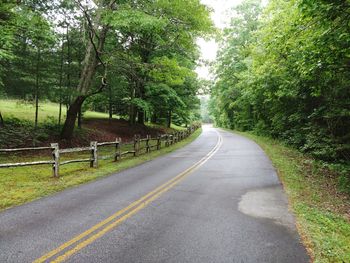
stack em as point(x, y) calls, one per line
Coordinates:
point(171, 129)
point(26, 110)
point(322, 212)
point(24, 184)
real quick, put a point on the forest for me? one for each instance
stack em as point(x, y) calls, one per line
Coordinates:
point(283, 71)
point(133, 59)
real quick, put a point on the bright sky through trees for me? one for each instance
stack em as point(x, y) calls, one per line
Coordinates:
point(221, 16)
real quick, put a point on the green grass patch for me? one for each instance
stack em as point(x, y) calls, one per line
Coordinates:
point(173, 127)
point(321, 210)
point(26, 110)
point(24, 184)
point(47, 110)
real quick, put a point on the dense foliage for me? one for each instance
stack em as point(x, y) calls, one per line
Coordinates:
point(283, 70)
point(131, 58)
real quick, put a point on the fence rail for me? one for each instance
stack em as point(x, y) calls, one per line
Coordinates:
point(136, 149)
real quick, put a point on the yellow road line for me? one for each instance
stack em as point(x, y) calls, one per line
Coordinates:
point(134, 207)
point(102, 223)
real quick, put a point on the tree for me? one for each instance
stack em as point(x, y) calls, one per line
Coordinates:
point(97, 33)
point(154, 36)
point(290, 78)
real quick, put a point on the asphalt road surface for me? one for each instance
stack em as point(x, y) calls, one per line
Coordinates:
point(216, 200)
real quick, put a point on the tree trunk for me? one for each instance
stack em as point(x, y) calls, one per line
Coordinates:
point(154, 118)
point(80, 116)
point(72, 113)
point(37, 89)
point(2, 124)
point(86, 78)
point(141, 117)
point(60, 85)
point(169, 119)
point(110, 105)
point(132, 115)
point(60, 112)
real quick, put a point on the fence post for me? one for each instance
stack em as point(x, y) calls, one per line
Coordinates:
point(158, 142)
point(148, 149)
point(136, 145)
point(117, 149)
point(56, 159)
point(94, 156)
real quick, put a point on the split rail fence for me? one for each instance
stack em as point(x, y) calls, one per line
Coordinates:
point(135, 148)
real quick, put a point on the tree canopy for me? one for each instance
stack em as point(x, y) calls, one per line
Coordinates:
point(134, 58)
point(283, 70)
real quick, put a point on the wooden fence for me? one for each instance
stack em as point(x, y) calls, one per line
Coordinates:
point(136, 147)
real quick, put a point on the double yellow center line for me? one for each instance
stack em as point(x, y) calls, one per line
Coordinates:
point(89, 236)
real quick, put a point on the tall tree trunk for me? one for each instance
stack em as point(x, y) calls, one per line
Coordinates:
point(69, 60)
point(141, 112)
point(72, 113)
point(154, 118)
point(2, 124)
point(37, 89)
point(169, 119)
point(80, 117)
point(60, 84)
point(141, 117)
point(60, 111)
point(87, 74)
point(110, 105)
point(132, 115)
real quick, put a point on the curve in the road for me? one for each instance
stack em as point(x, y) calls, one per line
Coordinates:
point(231, 209)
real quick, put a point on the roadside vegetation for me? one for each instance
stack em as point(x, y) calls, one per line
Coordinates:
point(320, 202)
point(283, 71)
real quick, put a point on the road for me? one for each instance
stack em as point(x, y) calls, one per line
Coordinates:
point(217, 199)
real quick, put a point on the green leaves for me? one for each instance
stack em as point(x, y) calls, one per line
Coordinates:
point(286, 73)
point(127, 19)
point(169, 72)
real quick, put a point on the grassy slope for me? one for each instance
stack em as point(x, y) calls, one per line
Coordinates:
point(26, 111)
point(321, 211)
point(24, 184)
